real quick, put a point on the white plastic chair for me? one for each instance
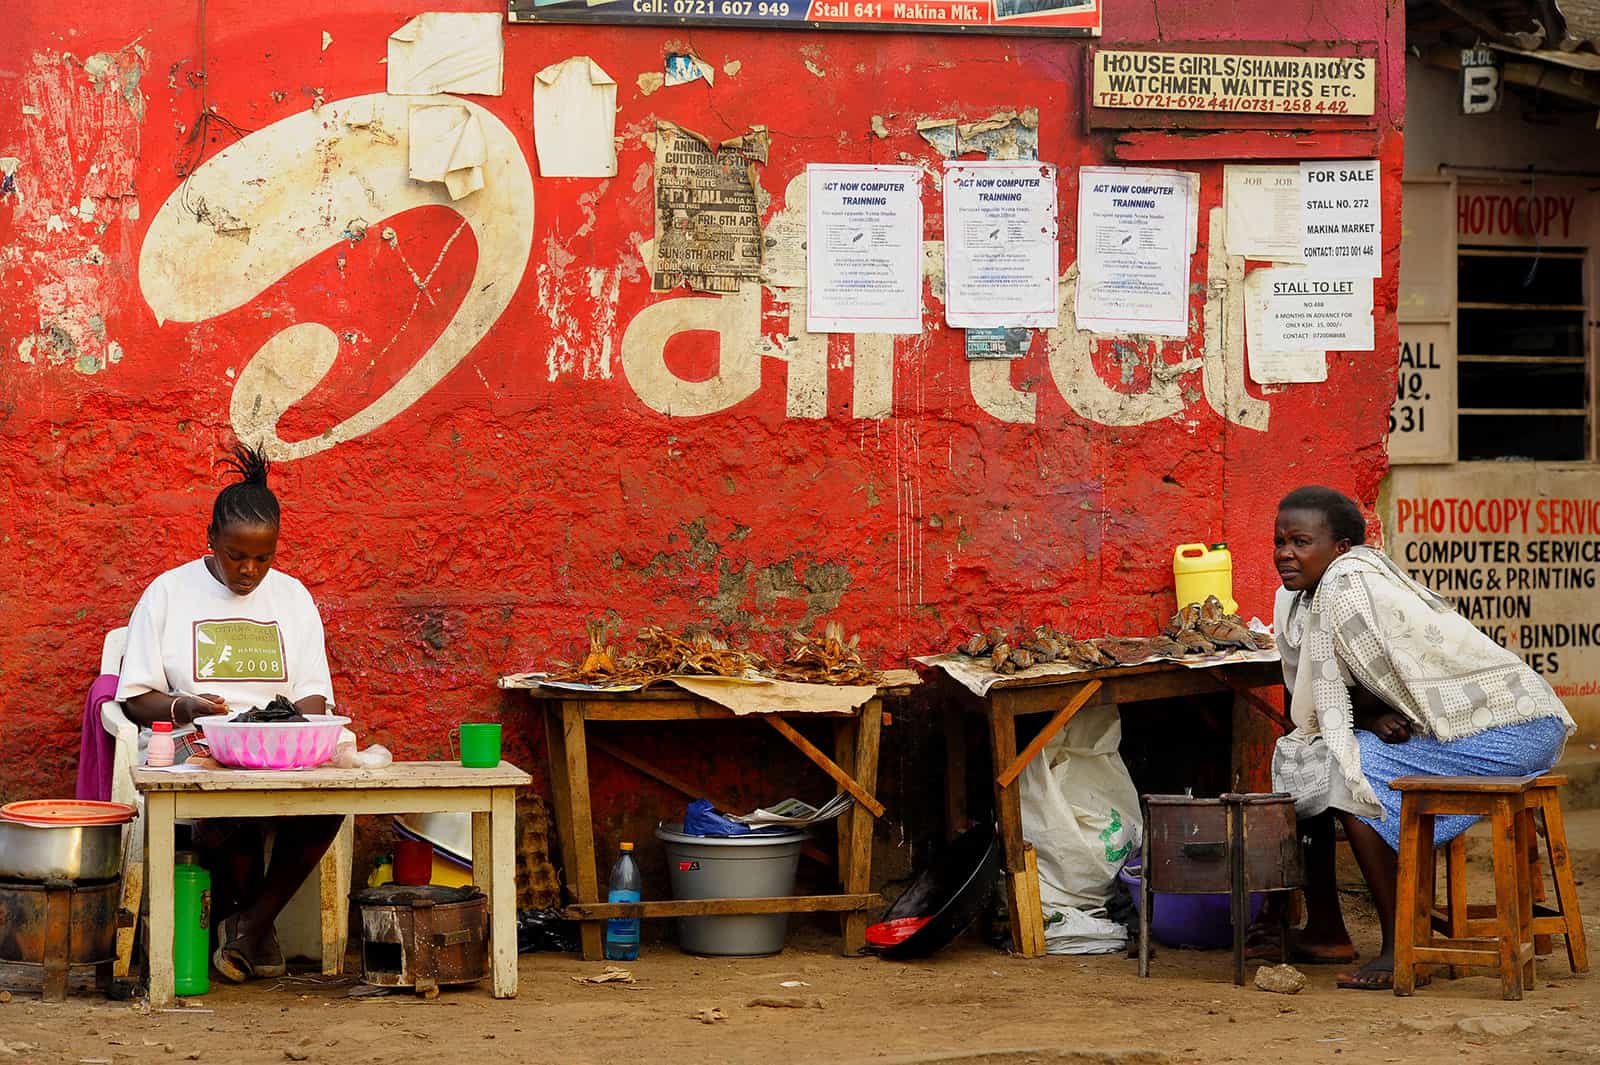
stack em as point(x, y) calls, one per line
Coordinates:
point(334, 872)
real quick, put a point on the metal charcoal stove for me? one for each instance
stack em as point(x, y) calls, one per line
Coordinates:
point(1233, 844)
point(423, 937)
point(55, 926)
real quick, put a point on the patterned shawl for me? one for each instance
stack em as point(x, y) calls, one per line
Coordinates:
point(1371, 624)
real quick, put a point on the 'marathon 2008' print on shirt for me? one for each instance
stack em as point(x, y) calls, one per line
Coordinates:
point(1068, 17)
point(238, 649)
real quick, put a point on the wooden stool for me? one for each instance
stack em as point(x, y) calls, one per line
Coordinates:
point(1507, 945)
point(1459, 920)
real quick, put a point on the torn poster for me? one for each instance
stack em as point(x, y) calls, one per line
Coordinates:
point(1001, 342)
point(708, 228)
point(446, 144)
point(1002, 262)
point(1339, 208)
point(447, 51)
point(682, 69)
point(1298, 308)
point(575, 119)
point(1135, 242)
point(1262, 205)
point(864, 235)
point(1007, 135)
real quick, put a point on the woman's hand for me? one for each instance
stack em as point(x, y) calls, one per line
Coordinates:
point(203, 705)
point(1391, 727)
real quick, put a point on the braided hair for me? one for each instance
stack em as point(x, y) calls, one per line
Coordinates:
point(248, 501)
point(1337, 509)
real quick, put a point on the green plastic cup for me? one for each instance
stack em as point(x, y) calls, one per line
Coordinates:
point(480, 746)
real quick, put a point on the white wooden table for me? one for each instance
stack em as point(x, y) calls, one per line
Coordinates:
point(404, 787)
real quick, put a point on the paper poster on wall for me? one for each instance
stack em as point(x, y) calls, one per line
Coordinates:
point(575, 119)
point(708, 231)
point(1298, 308)
point(864, 249)
point(1262, 212)
point(1340, 208)
point(1002, 262)
point(1135, 239)
point(447, 51)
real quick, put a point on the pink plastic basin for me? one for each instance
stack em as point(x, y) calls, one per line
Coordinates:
point(272, 744)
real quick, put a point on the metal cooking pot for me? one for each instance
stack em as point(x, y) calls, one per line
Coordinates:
point(67, 852)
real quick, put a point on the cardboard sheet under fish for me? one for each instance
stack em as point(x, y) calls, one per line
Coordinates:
point(708, 218)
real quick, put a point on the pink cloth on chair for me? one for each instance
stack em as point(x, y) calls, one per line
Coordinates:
point(97, 748)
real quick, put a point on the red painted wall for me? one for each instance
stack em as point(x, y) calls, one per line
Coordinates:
point(473, 533)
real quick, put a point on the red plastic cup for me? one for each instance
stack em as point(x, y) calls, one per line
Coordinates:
point(413, 862)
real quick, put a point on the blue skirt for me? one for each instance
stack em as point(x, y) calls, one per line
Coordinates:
point(1509, 751)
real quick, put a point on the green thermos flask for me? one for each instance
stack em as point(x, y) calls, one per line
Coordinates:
point(191, 933)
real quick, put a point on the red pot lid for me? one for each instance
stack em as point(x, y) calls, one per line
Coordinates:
point(68, 812)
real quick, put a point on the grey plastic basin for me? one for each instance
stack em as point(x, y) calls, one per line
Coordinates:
point(739, 867)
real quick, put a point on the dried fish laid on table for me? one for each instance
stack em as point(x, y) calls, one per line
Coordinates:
point(1206, 628)
point(830, 659)
point(663, 654)
point(1126, 651)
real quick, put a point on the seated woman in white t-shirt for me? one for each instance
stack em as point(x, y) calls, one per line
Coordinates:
point(227, 631)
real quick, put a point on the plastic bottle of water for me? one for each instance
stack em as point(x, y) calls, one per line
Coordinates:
point(622, 933)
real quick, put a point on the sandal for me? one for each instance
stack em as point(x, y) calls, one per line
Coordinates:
point(1376, 975)
point(230, 959)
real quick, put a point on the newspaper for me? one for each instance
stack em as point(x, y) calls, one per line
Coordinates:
point(708, 223)
point(795, 812)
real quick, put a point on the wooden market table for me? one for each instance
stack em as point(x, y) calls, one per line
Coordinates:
point(1063, 695)
point(401, 788)
point(853, 768)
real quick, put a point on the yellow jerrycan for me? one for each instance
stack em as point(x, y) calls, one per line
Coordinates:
point(1199, 571)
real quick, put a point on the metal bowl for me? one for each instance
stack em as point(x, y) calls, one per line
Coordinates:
point(66, 852)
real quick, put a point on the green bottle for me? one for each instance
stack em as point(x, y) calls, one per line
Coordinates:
point(191, 934)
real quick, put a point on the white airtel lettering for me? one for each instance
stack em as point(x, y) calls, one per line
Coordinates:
point(350, 160)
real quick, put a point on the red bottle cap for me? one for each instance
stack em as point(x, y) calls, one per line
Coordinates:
point(161, 726)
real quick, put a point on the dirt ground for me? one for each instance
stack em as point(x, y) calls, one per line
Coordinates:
point(969, 1004)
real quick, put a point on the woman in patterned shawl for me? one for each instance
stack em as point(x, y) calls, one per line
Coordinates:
point(1391, 681)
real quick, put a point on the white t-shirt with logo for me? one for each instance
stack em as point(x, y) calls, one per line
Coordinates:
point(191, 635)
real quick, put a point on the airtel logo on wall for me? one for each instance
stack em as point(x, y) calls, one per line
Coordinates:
point(291, 185)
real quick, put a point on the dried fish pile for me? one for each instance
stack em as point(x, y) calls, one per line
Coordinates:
point(1197, 629)
point(830, 659)
point(1205, 628)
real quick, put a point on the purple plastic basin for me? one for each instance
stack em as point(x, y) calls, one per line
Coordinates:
point(1200, 921)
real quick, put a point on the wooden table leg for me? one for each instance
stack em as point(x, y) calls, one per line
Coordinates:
point(159, 807)
point(581, 865)
point(1027, 922)
point(333, 898)
point(856, 867)
point(955, 770)
point(844, 753)
point(502, 891)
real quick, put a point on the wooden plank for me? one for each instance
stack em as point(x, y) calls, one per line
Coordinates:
point(132, 899)
point(279, 803)
point(159, 817)
point(502, 893)
point(844, 752)
point(1508, 865)
point(856, 869)
point(1471, 785)
point(1028, 934)
point(1008, 810)
point(1410, 935)
point(333, 897)
point(1079, 699)
point(683, 787)
point(397, 775)
point(600, 911)
point(1566, 885)
point(582, 877)
point(826, 764)
point(560, 789)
